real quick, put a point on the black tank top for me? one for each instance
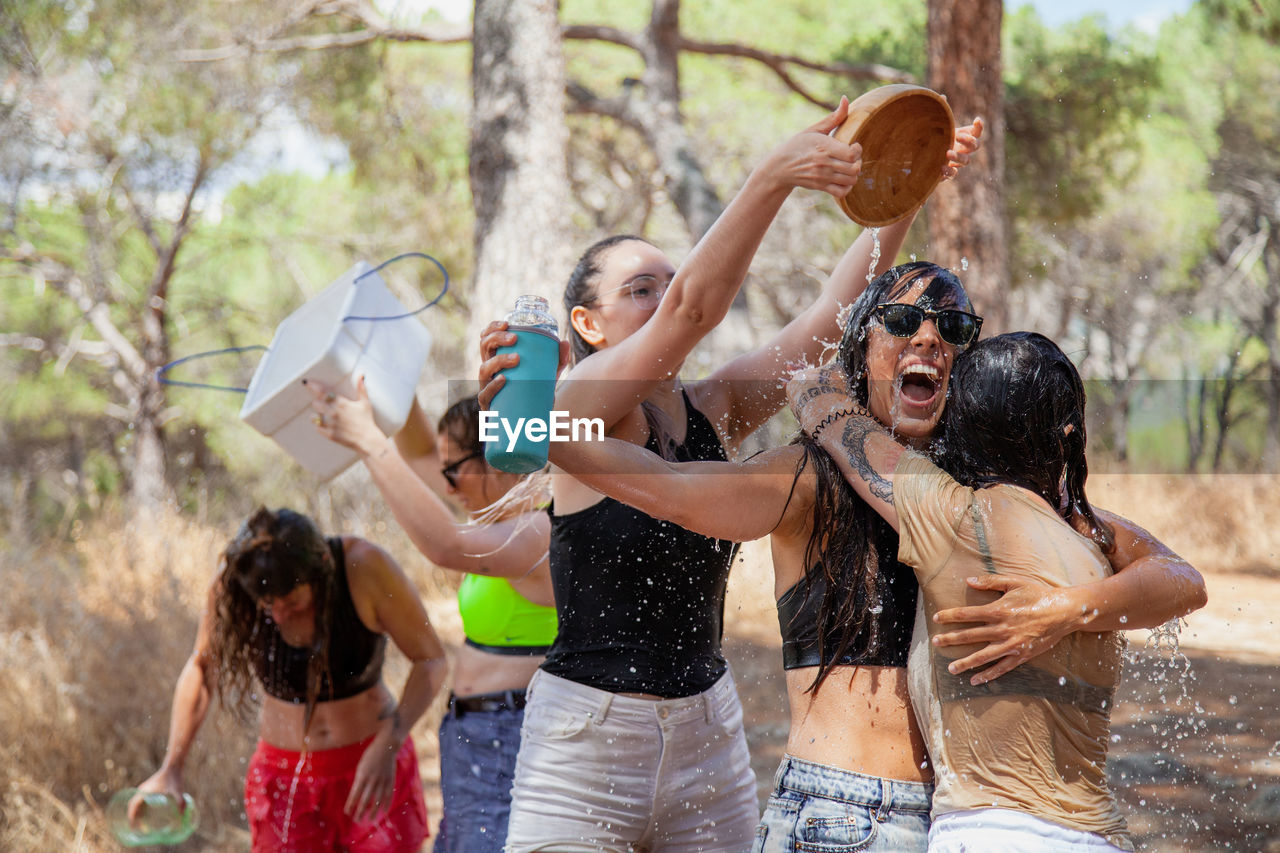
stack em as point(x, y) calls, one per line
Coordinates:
point(798, 618)
point(640, 601)
point(355, 652)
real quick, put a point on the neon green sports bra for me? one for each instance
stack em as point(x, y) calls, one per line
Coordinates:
point(497, 619)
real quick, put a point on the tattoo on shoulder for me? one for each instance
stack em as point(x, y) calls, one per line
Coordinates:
point(854, 439)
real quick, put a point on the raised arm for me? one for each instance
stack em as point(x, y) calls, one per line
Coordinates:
point(515, 548)
point(749, 383)
point(1151, 585)
point(704, 287)
point(861, 447)
point(191, 696)
point(379, 583)
point(738, 501)
point(416, 444)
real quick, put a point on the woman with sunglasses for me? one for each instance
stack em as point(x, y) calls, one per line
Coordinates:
point(634, 736)
point(856, 772)
point(505, 598)
point(1019, 763)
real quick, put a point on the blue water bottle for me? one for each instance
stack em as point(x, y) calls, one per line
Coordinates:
point(523, 406)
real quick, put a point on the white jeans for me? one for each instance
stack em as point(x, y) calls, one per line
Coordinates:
point(1009, 831)
point(602, 772)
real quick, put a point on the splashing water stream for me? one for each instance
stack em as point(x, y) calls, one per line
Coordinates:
point(875, 254)
point(293, 790)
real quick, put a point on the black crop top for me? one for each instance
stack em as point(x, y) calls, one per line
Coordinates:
point(798, 619)
point(640, 601)
point(355, 652)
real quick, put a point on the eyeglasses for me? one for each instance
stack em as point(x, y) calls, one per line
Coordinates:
point(646, 292)
point(450, 471)
point(901, 320)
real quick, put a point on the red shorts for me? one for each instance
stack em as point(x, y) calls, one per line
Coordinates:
point(288, 816)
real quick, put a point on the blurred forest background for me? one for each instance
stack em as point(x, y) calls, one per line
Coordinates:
point(177, 177)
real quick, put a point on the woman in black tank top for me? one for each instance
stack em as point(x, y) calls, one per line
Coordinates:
point(856, 773)
point(309, 619)
point(640, 601)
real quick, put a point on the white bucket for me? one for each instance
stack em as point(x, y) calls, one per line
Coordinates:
point(314, 343)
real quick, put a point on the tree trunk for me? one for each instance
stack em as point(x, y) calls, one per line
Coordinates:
point(686, 184)
point(967, 227)
point(1270, 323)
point(519, 171)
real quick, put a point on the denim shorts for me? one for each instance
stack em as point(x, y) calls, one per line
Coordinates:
point(815, 808)
point(477, 764)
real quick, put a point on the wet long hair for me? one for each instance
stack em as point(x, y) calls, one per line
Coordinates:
point(583, 287)
point(1015, 414)
point(274, 552)
point(850, 541)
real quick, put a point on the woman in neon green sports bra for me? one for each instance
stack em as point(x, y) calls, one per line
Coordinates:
point(507, 607)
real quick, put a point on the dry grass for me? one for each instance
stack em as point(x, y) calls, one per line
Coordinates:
point(1220, 523)
point(92, 636)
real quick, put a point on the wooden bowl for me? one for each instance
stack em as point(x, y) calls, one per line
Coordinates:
point(905, 132)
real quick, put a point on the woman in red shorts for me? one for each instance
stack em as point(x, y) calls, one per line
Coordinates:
point(309, 617)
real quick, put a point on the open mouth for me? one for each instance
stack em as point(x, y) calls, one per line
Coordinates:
point(919, 385)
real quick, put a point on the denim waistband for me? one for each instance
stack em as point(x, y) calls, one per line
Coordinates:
point(834, 783)
point(710, 704)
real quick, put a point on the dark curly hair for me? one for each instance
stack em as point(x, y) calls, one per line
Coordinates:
point(274, 552)
point(850, 541)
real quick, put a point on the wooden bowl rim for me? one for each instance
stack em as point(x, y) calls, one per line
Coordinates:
point(874, 102)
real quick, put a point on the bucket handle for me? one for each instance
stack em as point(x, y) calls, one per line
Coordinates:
point(161, 371)
point(164, 380)
point(439, 296)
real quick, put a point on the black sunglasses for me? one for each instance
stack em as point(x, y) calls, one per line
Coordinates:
point(901, 320)
point(451, 470)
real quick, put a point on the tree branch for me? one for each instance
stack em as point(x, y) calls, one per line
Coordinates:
point(326, 41)
point(778, 63)
point(596, 32)
point(164, 270)
point(67, 280)
point(374, 26)
point(584, 101)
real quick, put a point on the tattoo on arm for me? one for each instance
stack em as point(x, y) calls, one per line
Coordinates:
point(854, 440)
point(810, 394)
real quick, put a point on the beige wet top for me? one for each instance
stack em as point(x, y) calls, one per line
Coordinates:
point(1034, 740)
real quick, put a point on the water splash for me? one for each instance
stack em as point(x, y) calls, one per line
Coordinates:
point(875, 255)
point(293, 790)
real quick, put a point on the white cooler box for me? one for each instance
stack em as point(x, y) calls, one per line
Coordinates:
point(314, 343)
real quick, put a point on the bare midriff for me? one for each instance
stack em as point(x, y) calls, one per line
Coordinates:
point(338, 723)
point(860, 719)
point(477, 672)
